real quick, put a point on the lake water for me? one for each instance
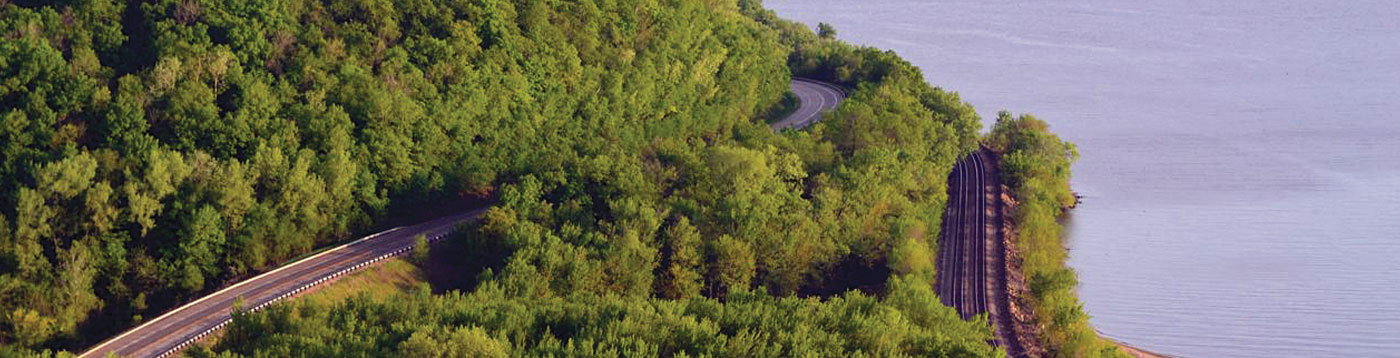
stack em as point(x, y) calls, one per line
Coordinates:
point(1240, 159)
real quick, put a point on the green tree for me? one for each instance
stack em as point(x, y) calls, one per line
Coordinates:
point(683, 278)
point(77, 271)
point(67, 178)
point(826, 31)
point(201, 248)
point(28, 327)
point(142, 206)
point(463, 342)
point(100, 208)
point(7, 245)
point(420, 250)
point(123, 124)
point(734, 264)
point(235, 192)
point(912, 256)
point(32, 223)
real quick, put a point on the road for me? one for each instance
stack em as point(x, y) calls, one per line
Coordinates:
point(186, 324)
point(971, 256)
point(814, 98)
point(176, 329)
point(971, 276)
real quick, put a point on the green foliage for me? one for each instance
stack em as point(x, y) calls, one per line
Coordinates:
point(201, 248)
point(1034, 156)
point(214, 139)
point(683, 278)
point(775, 211)
point(826, 31)
point(1035, 164)
point(734, 264)
point(420, 249)
point(157, 148)
point(490, 322)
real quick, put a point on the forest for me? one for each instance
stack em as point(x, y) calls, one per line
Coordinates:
point(492, 322)
point(156, 151)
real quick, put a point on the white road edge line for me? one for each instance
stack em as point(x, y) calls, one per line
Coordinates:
point(216, 293)
point(284, 296)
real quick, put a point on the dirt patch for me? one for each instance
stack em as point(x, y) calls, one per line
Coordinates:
point(1134, 351)
point(1019, 306)
point(1138, 352)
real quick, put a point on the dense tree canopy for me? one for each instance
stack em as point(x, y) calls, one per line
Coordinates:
point(153, 150)
point(491, 322)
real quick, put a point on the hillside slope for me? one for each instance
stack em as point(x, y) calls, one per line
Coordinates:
point(154, 150)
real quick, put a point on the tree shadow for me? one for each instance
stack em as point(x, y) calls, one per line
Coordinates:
point(457, 262)
point(852, 273)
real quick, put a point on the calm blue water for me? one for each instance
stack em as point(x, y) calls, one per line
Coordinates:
point(1240, 159)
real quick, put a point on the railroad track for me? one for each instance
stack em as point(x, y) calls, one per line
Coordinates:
point(963, 254)
point(173, 331)
point(971, 270)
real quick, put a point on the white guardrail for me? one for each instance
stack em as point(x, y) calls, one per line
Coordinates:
point(201, 335)
point(308, 285)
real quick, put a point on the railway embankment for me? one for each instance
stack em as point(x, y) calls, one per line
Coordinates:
point(1034, 165)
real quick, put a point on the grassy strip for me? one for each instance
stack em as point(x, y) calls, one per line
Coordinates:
point(378, 281)
point(1036, 165)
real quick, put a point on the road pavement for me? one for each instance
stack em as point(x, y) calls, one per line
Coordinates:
point(186, 324)
point(814, 98)
point(176, 329)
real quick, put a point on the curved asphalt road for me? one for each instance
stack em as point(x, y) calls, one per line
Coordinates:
point(814, 98)
point(176, 329)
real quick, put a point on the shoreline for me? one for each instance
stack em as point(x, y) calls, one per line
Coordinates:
point(1134, 350)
